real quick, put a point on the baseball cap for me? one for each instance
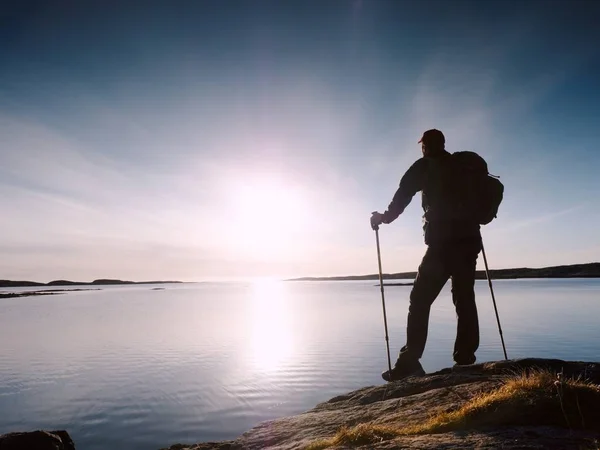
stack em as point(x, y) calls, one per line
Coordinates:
point(433, 136)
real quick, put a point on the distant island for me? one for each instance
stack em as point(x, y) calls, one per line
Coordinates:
point(590, 270)
point(100, 282)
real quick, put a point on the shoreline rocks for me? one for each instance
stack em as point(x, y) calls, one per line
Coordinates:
point(526, 423)
point(413, 401)
point(37, 440)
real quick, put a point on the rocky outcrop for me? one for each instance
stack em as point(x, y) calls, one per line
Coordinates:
point(44, 292)
point(25, 294)
point(37, 440)
point(414, 401)
point(505, 404)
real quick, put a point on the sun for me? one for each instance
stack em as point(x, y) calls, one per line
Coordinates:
point(268, 217)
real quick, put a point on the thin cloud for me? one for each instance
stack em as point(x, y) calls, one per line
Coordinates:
point(517, 225)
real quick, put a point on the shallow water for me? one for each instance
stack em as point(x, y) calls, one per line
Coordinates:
point(134, 368)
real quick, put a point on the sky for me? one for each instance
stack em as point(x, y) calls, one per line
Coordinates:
point(211, 140)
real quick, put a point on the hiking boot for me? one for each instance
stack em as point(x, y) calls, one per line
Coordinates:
point(466, 361)
point(404, 370)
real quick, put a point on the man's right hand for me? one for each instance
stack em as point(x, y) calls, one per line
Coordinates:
point(376, 220)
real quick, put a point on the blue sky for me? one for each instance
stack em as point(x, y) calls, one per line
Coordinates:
point(216, 140)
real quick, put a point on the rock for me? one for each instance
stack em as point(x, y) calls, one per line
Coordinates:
point(67, 442)
point(413, 401)
point(25, 294)
point(37, 440)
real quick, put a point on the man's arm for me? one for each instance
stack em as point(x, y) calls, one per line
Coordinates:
point(411, 183)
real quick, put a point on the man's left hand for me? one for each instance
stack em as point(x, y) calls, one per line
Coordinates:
point(376, 220)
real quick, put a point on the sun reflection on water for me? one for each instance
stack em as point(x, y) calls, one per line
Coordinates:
point(272, 342)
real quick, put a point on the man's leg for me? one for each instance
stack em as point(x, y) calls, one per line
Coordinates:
point(430, 280)
point(463, 262)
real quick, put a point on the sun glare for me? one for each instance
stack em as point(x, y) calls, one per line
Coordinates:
point(268, 217)
point(272, 342)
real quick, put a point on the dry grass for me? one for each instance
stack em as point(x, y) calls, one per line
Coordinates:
point(536, 398)
point(363, 434)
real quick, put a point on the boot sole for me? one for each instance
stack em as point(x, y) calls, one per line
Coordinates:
point(416, 373)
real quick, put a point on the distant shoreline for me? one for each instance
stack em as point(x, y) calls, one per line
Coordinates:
point(590, 270)
point(44, 292)
point(100, 282)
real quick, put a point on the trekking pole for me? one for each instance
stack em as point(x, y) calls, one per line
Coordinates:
point(487, 274)
point(387, 339)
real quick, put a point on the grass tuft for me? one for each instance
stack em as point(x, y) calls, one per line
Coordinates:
point(363, 434)
point(537, 398)
point(534, 398)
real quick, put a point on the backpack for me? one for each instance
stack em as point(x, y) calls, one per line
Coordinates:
point(479, 193)
point(465, 189)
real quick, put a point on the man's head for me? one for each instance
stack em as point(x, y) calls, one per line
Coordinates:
point(432, 142)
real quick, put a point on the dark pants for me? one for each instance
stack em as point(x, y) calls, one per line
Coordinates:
point(456, 260)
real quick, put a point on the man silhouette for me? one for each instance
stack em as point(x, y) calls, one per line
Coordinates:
point(453, 244)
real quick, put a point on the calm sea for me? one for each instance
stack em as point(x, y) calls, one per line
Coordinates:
point(136, 368)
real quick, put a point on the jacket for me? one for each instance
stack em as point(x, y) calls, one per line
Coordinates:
point(438, 225)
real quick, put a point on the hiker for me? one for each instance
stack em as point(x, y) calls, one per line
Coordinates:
point(453, 244)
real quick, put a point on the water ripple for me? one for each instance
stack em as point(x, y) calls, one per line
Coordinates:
point(129, 370)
